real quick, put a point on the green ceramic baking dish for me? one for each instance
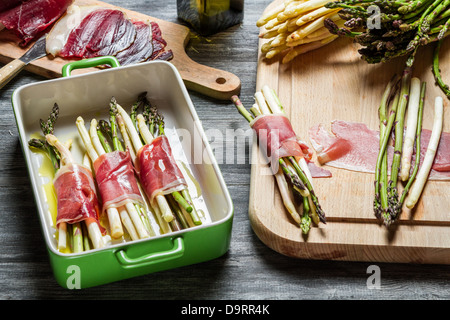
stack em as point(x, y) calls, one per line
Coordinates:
point(88, 95)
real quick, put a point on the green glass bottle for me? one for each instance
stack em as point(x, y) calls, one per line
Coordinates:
point(210, 16)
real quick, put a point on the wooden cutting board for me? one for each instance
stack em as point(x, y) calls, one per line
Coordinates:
point(332, 83)
point(209, 81)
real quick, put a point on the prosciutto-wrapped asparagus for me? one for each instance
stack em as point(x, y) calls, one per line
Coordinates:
point(76, 195)
point(77, 216)
point(287, 155)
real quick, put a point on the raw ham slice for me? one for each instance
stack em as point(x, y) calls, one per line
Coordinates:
point(101, 32)
point(277, 139)
point(116, 181)
point(353, 146)
point(76, 196)
point(157, 40)
point(159, 45)
point(58, 35)
point(318, 172)
point(158, 170)
point(142, 47)
point(27, 19)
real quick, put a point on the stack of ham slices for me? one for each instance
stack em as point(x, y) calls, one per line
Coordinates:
point(92, 31)
point(86, 31)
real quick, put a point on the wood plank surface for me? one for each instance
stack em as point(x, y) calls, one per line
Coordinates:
point(333, 83)
point(250, 269)
point(209, 81)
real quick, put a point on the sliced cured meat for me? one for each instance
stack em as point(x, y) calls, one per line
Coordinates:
point(58, 35)
point(90, 30)
point(101, 32)
point(353, 146)
point(318, 172)
point(116, 181)
point(28, 19)
point(142, 47)
point(158, 170)
point(76, 196)
point(159, 44)
point(165, 55)
point(277, 138)
point(115, 34)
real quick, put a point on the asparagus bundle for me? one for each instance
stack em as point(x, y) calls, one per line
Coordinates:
point(296, 27)
point(293, 177)
point(390, 29)
point(387, 203)
point(176, 210)
point(80, 236)
point(102, 138)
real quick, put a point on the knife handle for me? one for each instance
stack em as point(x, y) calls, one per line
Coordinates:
point(10, 70)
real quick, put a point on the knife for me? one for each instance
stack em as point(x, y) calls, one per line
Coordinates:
point(10, 70)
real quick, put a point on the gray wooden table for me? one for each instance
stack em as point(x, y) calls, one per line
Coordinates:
point(249, 270)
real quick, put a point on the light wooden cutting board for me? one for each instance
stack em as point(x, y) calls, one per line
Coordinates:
point(328, 84)
point(209, 81)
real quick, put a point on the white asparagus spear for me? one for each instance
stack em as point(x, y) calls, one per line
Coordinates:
point(261, 102)
point(126, 137)
point(116, 229)
point(424, 171)
point(137, 144)
point(128, 224)
point(411, 125)
point(285, 196)
point(62, 236)
point(66, 158)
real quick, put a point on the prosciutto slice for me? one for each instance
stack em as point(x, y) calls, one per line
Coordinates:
point(76, 196)
point(59, 34)
point(116, 181)
point(159, 44)
point(158, 170)
point(277, 139)
point(27, 19)
point(353, 146)
point(142, 47)
point(101, 32)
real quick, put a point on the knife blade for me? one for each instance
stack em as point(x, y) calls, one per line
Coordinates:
point(10, 70)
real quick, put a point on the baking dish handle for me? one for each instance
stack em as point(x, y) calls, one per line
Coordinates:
point(89, 63)
point(175, 252)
